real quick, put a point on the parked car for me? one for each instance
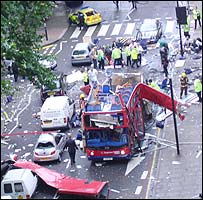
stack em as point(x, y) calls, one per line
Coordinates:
point(49, 63)
point(81, 54)
point(91, 16)
point(57, 112)
point(49, 147)
point(60, 89)
point(73, 4)
point(150, 31)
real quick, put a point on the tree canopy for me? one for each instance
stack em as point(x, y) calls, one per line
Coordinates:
point(20, 42)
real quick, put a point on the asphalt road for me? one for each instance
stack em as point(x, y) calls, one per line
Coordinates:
point(134, 184)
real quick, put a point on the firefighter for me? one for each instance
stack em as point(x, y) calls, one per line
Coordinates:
point(183, 84)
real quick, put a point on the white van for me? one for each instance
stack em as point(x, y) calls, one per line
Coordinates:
point(19, 184)
point(56, 112)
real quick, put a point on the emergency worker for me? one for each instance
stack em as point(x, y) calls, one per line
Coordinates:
point(81, 20)
point(153, 85)
point(183, 84)
point(128, 55)
point(196, 16)
point(117, 57)
point(85, 76)
point(82, 104)
point(186, 27)
point(101, 58)
point(134, 57)
point(198, 88)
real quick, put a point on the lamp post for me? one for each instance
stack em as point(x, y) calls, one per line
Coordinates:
point(181, 44)
point(174, 116)
point(45, 29)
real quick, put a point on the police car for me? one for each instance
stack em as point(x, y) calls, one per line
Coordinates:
point(91, 16)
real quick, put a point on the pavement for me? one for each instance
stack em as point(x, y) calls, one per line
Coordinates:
point(172, 176)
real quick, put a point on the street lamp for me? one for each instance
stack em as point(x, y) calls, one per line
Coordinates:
point(174, 116)
point(179, 24)
point(45, 29)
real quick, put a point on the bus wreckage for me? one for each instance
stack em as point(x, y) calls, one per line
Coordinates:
point(114, 115)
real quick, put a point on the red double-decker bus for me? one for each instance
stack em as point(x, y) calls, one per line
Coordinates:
point(113, 119)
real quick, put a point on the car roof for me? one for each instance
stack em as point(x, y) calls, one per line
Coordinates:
point(16, 174)
point(86, 9)
point(55, 102)
point(81, 46)
point(49, 137)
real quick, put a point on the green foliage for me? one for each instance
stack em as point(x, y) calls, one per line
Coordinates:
point(20, 21)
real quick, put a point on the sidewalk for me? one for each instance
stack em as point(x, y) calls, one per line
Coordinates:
point(180, 176)
point(56, 25)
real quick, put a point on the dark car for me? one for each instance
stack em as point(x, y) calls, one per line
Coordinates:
point(60, 89)
point(73, 4)
point(150, 31)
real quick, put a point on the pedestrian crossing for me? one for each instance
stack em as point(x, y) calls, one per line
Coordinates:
point(125, 28)
point(106, 31)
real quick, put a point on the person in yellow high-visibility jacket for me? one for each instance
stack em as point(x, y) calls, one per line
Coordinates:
point(196, 16)
point(186, 27)
point(134, 57)
point(198, 88)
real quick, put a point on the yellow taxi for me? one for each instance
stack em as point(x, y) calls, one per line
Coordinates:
point(91, 16)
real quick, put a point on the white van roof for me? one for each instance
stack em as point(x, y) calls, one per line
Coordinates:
point(55, 102)
point(16, 174)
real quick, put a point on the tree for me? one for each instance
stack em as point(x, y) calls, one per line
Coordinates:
point(20, 21)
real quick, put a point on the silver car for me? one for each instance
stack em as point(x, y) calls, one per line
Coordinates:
point(49, 147)
point(50, 64)
point(81, 54)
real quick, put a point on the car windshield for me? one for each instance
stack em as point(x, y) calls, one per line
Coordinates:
point(45, 145)
point(57, 85)
point(90, 13)
point(79, 52)
point(148, 27)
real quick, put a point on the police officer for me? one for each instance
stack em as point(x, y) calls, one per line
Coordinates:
point(70, 143)
point(196, 16)
point(134, 56)
point(128, 55)
point(81, 20)
point(198, 88)
point(117, 57)
point(186, 28)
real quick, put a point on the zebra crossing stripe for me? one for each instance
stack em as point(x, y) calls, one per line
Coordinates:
point(116, 29)
point(90, 31)
point(76, 33)
point(129, 29)
point(169, 26)
point(103, 30)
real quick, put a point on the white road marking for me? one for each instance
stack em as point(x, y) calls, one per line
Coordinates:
point(52, 49)
point(144, 175)
point(129, 29)
point(169, 26)
point(76, 33)
point(199, 153)
point(116, 191)
point(90, 31)
point(175, 162)
point(103, 30)
point(134, 162)
point(107, 38)
point(116, 29)
point(60, 48)
point(138, 190)
point(45, 51)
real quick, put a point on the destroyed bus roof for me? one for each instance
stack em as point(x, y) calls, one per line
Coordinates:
point(105, 98)
point(66, 184)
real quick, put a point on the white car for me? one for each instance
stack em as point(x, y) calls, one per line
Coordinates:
point(81, 54)
point(50, 64)
point(49, 147)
